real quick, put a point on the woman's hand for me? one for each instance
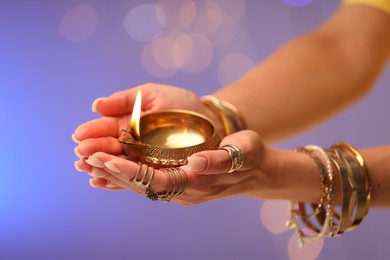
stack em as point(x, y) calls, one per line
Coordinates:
point(206, 172)
point(266, 173)
point(100, 135)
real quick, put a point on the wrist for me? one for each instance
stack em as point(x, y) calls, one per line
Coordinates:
point(291, 176)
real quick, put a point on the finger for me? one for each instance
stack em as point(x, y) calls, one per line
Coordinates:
point(111, 180)
point(90, 146)
point(98, 180)
point(209, 162)
point(103, 184)
point(126, 170)
point(82, 166)
point(219, 161)
point(105, 126)
point(119, 103)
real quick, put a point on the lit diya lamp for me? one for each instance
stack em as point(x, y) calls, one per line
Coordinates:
point(166, 138)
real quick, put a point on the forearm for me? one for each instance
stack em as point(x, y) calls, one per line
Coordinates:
point(314, 76)
point(378, 164)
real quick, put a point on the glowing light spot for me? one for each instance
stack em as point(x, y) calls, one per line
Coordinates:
point(223, 35)
point(172, 10)
point(154, 68)
point(79, 23)
point(184, 139)
point(143, 22)
point(201, 55)
point(233, 67)
point(298, 3)
point(182, 50)
point(273, 215)
point(188, 14)
point(208, 21)
point(309, 251)
point(232, 10)
point(173, 49)
point(188, 34)
point(162, 52)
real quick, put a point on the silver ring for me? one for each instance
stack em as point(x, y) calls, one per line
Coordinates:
point(236, 156)
point(177, 185)
point(146, 176)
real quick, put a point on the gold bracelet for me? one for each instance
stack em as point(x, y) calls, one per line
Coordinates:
point(318, 209)
point(355, 193)
point(360, 177)
point(366, 176)
point(230, 116)
point(348, 201)
point(327, 225)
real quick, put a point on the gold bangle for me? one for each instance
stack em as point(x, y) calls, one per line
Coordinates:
point(355, 193)
point(365, 172)
point(230, 116)
point(360, 176)
point(209, 102)
point(347, 200)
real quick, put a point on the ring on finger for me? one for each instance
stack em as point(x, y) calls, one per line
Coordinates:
point(177, 184)
point(146, 176)
point(236, 156)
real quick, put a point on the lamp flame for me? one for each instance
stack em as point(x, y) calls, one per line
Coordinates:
point(135, 117)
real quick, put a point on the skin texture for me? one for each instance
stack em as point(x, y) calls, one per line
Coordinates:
point(324, 70)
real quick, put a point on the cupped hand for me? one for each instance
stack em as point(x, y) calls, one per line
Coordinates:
point(206, 172)
point(100, 135)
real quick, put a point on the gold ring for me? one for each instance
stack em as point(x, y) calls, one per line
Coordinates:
point(236, 156)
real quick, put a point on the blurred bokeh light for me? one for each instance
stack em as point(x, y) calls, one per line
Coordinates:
point(58, 56)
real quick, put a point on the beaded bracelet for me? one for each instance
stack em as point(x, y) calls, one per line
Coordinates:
point(328, 196)
point(347, 192)
point(321, 169)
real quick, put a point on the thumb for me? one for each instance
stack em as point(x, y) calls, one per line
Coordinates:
point(209, 162)
point(239, 151)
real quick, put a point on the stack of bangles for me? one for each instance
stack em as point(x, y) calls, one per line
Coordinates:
point(324, 219)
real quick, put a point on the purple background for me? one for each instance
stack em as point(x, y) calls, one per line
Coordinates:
point(48, 210)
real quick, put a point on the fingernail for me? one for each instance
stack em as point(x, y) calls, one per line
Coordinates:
point(75, 139)
point(112, 167)
point(111, 185)
point(95, 103)
point(99, 173)
point(77, 152)
point(91, 183)
point(77, 167)
point(196, 163)
point(95, 162)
